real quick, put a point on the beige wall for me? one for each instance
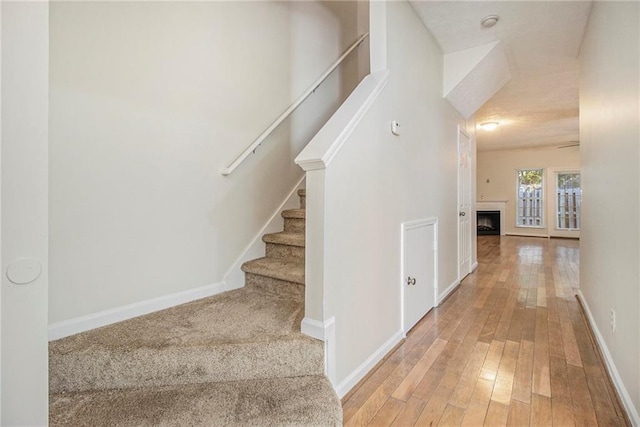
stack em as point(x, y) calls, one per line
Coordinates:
point(499, 168)
point(149, 102)
point(378, 181)
point(610, 157)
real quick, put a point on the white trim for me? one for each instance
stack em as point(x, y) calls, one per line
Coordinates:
point(552, 205)
point(404, 227)
point(471, 212)
point(446, 292)
point(361, 371)
point(474, 266)
point(543, 198)
point(327, 142)
point(494, 205)
point(234, 277)
point(315, 328)
point(527, 235)
point(611, 366)
point(324, 331)
point(108, 317)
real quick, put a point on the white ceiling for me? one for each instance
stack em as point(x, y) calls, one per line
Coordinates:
point(542, 39)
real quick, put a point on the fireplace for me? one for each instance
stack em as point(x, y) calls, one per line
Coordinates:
point(488, 223)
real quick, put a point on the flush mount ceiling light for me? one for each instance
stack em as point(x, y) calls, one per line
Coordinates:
point(489, 21)
point(489, 125)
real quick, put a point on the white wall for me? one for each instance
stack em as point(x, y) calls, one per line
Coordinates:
point(1, 259)
point(378, 181)
point(610, 158)
point(24, 387)
point(499, 167)
point(149, 102)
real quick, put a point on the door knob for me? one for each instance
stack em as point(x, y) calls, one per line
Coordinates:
point(411, 281)
point(463, 213)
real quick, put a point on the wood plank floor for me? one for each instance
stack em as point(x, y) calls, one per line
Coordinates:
point(508, 347)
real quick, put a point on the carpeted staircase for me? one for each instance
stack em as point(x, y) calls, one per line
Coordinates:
point(237, 358)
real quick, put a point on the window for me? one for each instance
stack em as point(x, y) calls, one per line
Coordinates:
point(568, 201)
point(530, 207)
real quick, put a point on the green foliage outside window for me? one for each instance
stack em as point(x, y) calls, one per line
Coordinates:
point(530, 178)
point(569, 180)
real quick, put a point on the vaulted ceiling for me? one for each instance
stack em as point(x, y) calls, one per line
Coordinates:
point(542, 39)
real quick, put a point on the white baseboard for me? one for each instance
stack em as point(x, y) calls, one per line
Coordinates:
point(545, 236)
point(359, 373)
point(315, 328)
point(632, 411)
point(107, 317)
point(474, 266)
point(444, 294)
point(324, 331)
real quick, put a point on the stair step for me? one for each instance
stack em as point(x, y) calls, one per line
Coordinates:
point(294, 225)
point(294, 220)
point(285, 245)
point(307, 400)
point(288, 271)
point(237, 335)
point(288, 252)
point(285, 238)
point(294, 213)
point(273, 286)
point(302, 192)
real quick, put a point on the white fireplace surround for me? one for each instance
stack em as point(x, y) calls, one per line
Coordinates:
point(494, 205)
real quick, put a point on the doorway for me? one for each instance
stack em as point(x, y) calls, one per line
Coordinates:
point(464, 204)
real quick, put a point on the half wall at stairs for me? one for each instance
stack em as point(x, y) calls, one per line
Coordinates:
point(373, 184)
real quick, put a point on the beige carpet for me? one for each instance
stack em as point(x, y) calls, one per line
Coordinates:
point(299, 401)
point(237, 358)
point(238, 335)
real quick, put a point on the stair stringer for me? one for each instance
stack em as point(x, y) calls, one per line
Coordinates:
point(234, 277)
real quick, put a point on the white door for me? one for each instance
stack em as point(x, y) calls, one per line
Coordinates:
point(24, 30)
point(464, 204)
point(419, 270)
point(565, 193)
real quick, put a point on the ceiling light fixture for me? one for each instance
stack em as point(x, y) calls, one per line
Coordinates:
point(489, 125)
point(489, 21)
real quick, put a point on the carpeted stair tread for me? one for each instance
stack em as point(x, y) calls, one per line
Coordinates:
point(236, 335)
point(296, 401)
point(294, 213)
point(303, 198)
point(109, 368)
point(277, 268)
point(235, 316)
point(285, 238)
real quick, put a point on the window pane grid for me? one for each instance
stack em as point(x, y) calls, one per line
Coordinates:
point(530, 198)
point(568, 201)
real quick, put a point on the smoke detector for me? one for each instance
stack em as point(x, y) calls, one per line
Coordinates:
point(489, 21)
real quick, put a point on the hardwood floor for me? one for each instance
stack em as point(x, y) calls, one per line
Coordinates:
point(509, 347)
